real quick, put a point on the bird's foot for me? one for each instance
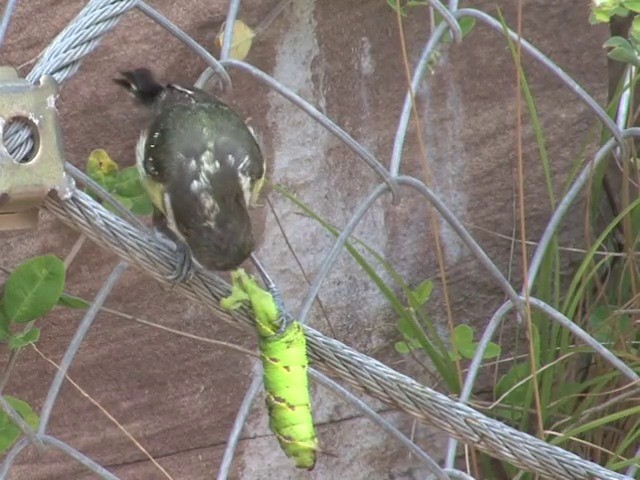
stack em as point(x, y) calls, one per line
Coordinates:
point(285, 319)
point(183, 269)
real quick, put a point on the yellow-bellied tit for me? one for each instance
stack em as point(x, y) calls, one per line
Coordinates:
point(202, 167)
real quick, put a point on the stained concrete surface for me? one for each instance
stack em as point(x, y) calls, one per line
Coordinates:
point(178, 397)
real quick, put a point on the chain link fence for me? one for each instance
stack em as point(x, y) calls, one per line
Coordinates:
point(135, 244)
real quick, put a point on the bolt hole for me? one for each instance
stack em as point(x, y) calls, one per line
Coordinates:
point(13, 139)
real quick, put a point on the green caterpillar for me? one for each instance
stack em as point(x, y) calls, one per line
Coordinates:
point(285, 363)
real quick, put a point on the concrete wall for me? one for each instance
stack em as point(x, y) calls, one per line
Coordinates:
point(178, 397)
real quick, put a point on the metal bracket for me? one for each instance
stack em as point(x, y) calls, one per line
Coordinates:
point(24, 185)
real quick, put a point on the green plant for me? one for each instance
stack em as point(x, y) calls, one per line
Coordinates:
point(30, 292)
point(572, 381)
point(579, 394)
point(626, 50)
point(123, 184)
point(36, 286)
point(465, 347)
point(603, 10)
point(413, 323)
point(9, 432)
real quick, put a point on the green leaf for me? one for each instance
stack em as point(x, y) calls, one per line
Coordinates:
point(101, 168)
point(126, 203)
point(421, 293)
point(633, 5)
point(241, 40)
point(9, 432)
point(141, 205)
point(610, 4)
point(395, 6)
point(24, 339)
point(4, 323)
point(128, 184)
point(634, 31)
point(71, 301)
point(463, 341)
point(409, 328)
point(606, 326)
point(464, 344)
point(468, 350)
point(598, 317)
point(518, 395)
point(402, 348)
point(405, 327)
point(536, 344)
point(24, 409)
point(596, 17)
point(466, 25)
point(462, 335)
point(34, 288)
point(454, 357)
point(617, 42)
point(624, 55)
point(493, 350)
point(127, 188)
point(621, 11)
point(605, 9)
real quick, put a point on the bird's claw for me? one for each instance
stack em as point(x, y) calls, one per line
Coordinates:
point(285, 319)
point(184, 268)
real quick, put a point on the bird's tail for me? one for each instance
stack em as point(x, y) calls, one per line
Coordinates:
point(141, 84)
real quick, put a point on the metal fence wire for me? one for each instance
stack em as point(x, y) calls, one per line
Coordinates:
point(135, 244)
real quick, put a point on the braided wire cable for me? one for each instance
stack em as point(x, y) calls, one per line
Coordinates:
point(62, 59)
point(6, 18)
point(367, 374)
point(81, 212)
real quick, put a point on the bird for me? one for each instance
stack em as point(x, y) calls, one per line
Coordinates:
point(202, 167)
